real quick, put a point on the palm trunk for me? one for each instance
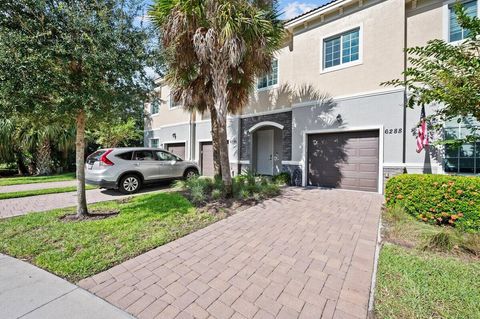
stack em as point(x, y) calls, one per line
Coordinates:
point(217, 167)
point(44, 158)
point(82, 209)
point(21, 166)
point(220, 79)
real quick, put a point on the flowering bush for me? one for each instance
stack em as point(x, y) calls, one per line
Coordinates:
point(438, 199)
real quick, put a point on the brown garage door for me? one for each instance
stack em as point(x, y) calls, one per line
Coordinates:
point(344, 160)
point(206, 160)
point(177, 149)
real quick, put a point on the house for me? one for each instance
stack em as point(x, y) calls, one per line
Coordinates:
point(356, 139)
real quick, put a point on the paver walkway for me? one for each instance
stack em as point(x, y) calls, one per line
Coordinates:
point(28, 292)
point(21, 206)
point(307, 254)
point(35, 186)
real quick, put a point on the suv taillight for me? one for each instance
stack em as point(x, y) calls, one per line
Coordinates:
point(104, 161)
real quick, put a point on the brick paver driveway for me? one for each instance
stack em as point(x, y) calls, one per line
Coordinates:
point(306, 254)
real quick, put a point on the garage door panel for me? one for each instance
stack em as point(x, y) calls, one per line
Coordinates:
point(206, 159)
point(177, 149)
point(345, 160)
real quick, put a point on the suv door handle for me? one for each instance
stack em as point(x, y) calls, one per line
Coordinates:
point(137, 164)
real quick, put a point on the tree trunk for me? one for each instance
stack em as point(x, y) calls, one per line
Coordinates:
point(220, 79)
point(82, 209)
point(22, 168)
point(44, 158)
point(217, 167)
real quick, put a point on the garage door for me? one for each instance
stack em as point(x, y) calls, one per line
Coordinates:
point(344, 160)
point(177, 149)
point(206, 158)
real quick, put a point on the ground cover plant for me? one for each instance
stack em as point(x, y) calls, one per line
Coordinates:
point(80, 248)
point(44, 191)
point(7, 181)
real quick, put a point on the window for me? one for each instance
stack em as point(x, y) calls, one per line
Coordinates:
point(154, 107)
point(164, 156)
point(270, 79)
point(154, 142)
point(125, 156)
point(143, 156)
point(341, 49)
point(174, 103)
point(466, 157)
point(456, 32)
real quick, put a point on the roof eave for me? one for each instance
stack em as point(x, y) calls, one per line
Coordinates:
point(316, 13)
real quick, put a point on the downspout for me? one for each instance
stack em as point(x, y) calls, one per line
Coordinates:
point(191, 128)
point(405, 95)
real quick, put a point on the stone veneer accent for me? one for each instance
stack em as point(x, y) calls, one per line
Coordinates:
point(284, 118)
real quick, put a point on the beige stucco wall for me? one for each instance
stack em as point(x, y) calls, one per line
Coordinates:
point(165, 116)
point(383, 41)
point(425, 22)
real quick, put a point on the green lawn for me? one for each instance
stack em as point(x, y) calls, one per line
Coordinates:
point(41, 192)
point(6, 181)
point(415, 284)
point(76, 250)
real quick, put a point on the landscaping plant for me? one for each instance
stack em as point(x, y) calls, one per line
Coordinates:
point(438, 199)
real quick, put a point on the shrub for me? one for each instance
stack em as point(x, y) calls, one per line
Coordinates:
point(283, 178)
point(248, 185)
point(442, 241)
point(199, 188)
point(438, 199)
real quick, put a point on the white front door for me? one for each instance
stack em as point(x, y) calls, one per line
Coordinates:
point(265, 152)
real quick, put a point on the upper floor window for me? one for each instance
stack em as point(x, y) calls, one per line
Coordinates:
point(154, 107)
point(154, 142)
point(174, 103)
point(456, 32)
point(464, 158)
point(269, 79)
point(341, 49)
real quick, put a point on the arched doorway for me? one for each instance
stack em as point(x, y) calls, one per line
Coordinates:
point(267, 148)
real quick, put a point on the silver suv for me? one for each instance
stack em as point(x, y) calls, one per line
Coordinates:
point(127, 169)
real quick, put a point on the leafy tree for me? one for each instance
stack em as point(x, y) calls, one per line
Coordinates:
point(217, 48)
point(447, 74)
point(121, 133)
point(81, 60)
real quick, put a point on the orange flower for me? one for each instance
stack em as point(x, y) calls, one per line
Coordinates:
point(460, 214)
point(399, 196)
point(459, 192)
point(453, 217)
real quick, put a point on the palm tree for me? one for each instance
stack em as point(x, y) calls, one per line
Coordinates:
point(220, 46)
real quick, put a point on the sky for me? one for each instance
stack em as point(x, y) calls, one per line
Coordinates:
point(289, 8)
point(292, 9)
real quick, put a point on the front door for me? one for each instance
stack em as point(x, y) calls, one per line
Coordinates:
point(265, 152)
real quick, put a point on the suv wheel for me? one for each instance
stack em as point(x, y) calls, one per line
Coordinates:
point(129, 184)
point(189, 173)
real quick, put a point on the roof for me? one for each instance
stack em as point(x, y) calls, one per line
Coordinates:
point(311, 11)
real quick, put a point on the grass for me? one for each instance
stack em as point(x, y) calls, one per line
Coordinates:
point(7, 181)
point(414, 284)
point(79, 249)
point(426, 271)
point(41, 192)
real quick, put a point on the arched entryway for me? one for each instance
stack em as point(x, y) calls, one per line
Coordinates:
point(267, 148)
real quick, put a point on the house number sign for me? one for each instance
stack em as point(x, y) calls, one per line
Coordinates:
point(393, 131)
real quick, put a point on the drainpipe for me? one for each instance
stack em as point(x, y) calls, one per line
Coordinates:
point(191, 128)
point(405, 93)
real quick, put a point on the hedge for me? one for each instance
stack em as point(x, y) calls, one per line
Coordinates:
point(438, 199)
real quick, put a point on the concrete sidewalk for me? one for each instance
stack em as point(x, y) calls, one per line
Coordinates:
point(29, 292)
point(35, 186)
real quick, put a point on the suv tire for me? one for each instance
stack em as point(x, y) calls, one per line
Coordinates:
point(129, 184)
point(190, 172)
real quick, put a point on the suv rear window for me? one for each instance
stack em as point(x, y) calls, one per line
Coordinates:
point(95, 156)
point(143, 156)
point(125, 156)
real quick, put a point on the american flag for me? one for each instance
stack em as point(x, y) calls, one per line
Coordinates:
point(422, 134)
